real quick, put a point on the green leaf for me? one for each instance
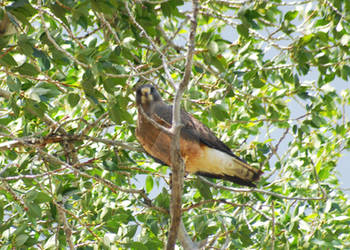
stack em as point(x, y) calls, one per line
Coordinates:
point(213, 48)
point(103, 6)
point(204, 38)
point(45, 91)
point(149, 183)
point(306, 39)
point(14, 85)
point(203, 189)
point(13, 105)
point(324, 173)
point(44, 61)
point(33, 210)
point(110, 84)
point(20, 229)
point(88, 83)
point(59, 11)
point(34, 109)
point(257, 108)
point(87, 55)
point(131, 231)
point(154, 227)
point(26, 45)
point(73, 99)
point(257, 82)
point(244, 233)
point(291, 15)
point(8, 61)
point(118, 113)
point(31, 196)
point(317, 121)
point(220, 64)
point(345, 72)
point(219, 112)
point(115, 56)
point(21, 239)
point(134, 245)
point(170, 8)
point(12, 155)
point(243, 30)
point(114, 112)
point(42, 197)
point(198, 69)
point(27, 69)
point(163, 199)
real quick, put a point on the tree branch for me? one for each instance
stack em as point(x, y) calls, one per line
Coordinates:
point(34, 176)
point(66, 227)
point(41, 141)
point(223, 201)
point(64, 211)
point(108, 183)
point(250, 190)
point(124, 145)
point(185, 240)
point(177, 164)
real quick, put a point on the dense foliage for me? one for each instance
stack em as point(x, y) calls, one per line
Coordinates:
point(265, 78)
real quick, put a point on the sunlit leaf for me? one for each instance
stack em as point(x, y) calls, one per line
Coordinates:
point(149, 183)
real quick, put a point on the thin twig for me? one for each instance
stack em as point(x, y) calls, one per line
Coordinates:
point(150, 71)
point(66, 211)
point(244, 205)
point(273, 237)
point(66, 226)
point(57, 20)
point(154, 123)
point(34, 176)
point(47, 32)
point(108, 183)
point(124, 145)
point(250, 190)
point(227, 241)
point(324, 194)
point(144, 33)
point(33, 141)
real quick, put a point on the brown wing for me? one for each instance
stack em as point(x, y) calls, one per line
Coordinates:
point(193, 129)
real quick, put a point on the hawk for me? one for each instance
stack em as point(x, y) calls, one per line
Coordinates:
point(203, 153)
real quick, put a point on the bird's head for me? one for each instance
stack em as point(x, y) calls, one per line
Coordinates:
point(146, 95)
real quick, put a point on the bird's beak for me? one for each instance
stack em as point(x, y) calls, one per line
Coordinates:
point(146, 95)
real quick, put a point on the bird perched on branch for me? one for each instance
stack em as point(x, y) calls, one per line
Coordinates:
point(203, 153)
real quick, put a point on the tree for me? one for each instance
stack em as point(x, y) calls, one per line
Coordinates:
point(264, 75)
